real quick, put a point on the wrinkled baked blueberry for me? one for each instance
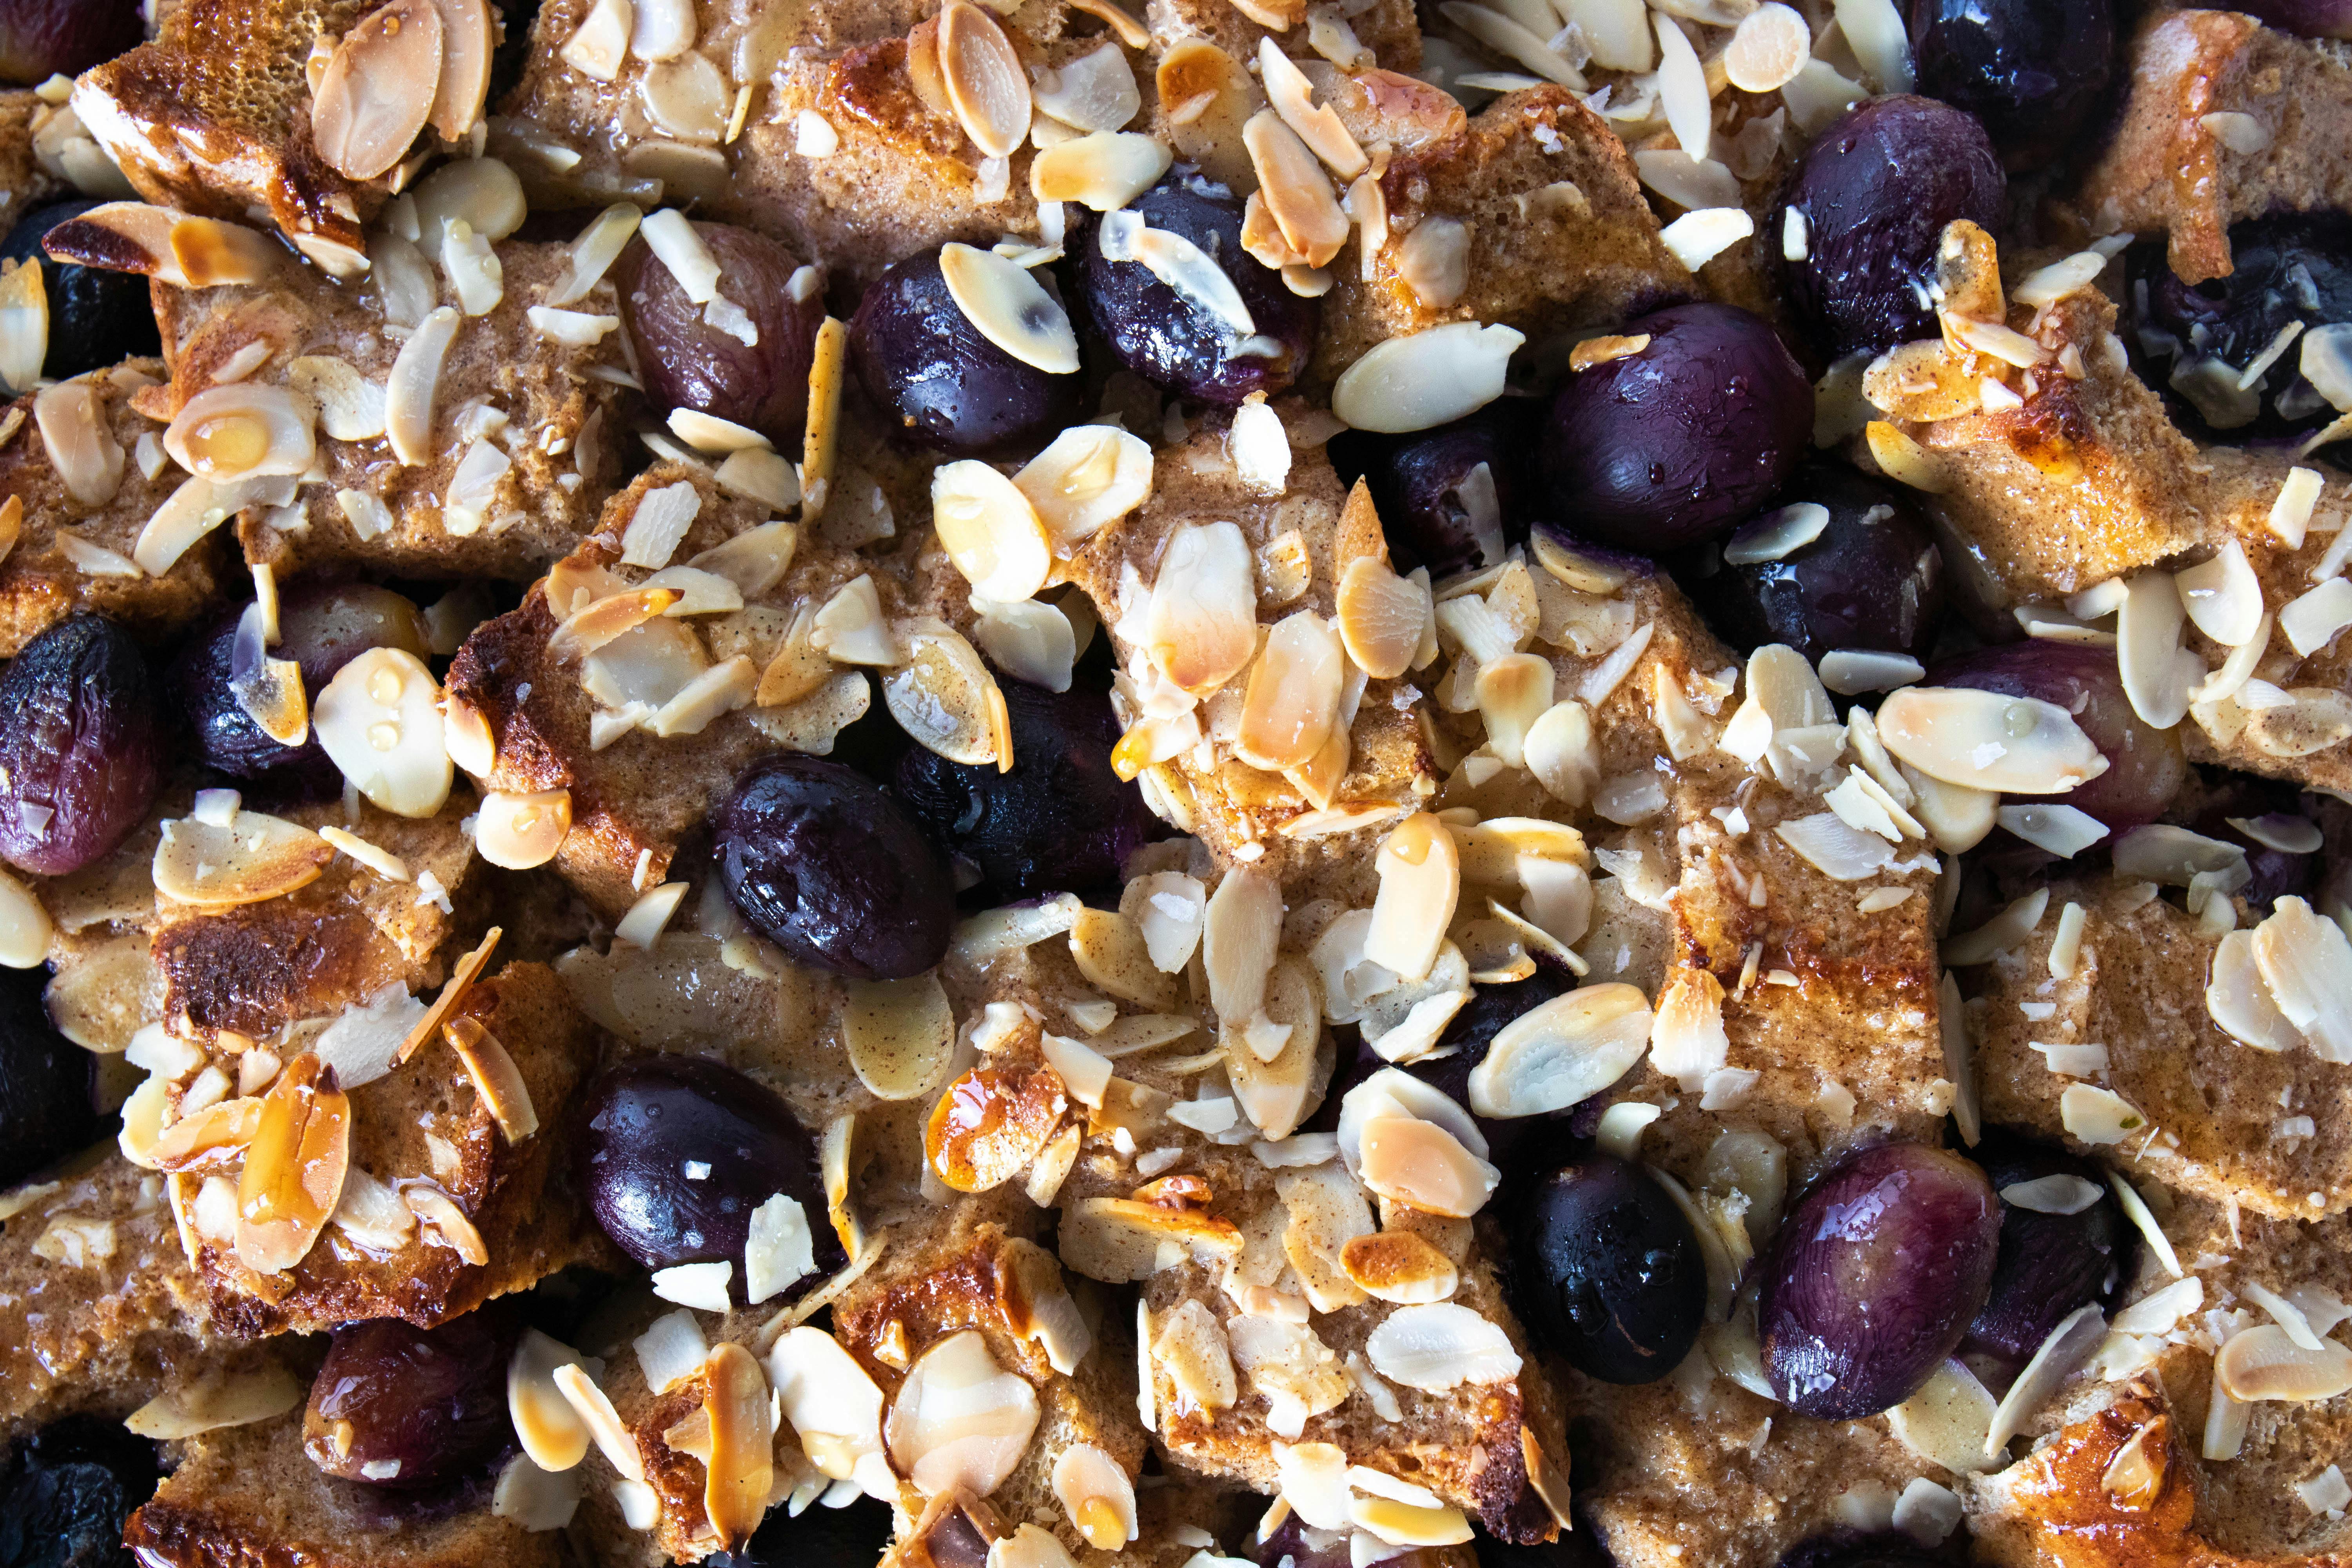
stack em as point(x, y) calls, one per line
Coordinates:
point(97, 318)
point(832, 870)
point(678, 1151)
point(1673, 443)
point(1177, 340)
point(1873, 1278)
point(1872, 579)
point(1609, 1271)
point(2146, 767)
point(1453, 499)
point(751, 368)
point(41, 39)
point(80, 748)
point(47, 1109)
point(851, 1537)
point(1061, 821)
point(2031, 71)
point(2194, 342)
point(67, 1492)
point(925, 364)
point(397, 1405)
point(1873, 194)
point(2051, 1261)
point(323, 627)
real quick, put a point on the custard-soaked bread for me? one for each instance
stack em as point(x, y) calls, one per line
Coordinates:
point(88, 470)
point(22, 179)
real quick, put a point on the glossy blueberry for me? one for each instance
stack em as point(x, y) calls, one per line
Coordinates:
point(80, 745)
point(851, 1537)
point(2049, 1264)
point(1456, 497)
point(687, 362)
point(41, 39)
point(323, 627)
point(47, 1109)
point(677, 1154)
point(1873, 1278)
point(932, 372)
point(1672, 445)
point(65, 1493)
point(832, 870)
point(2033, 72)
point(1872, 579)
point(397, 1405)
point(1874, 193)
point(1165, 337)
point(2145, 765)
point(1061, 821)
point(1609, 1271)
point(2193, 341)
point(97, 318)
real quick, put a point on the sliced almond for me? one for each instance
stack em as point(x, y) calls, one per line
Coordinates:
point(427, 1027)
point(1097, 1494)
point(2306, 960)
point(1400, 1265)
point(1277, 1093)
point(520, 831)
point(1380, 618)
point(1440, 1346)
point(1423, 1166)
point(2238, 999)
point(213, 1139)
point(379, 89)
point(1987, 741)
point(80, 444)
point(496, 1077)
point(940, 694)
point(250, 858)
point(741, 1467)
point(1562, 1052)
point(981, 73)
point(1420, 882)
point(1426, 378)
point(831, 1403)
point(1292, 699)
point(468, 35)
point(545, 1422)
point(1296, 191)
point(294, 1168)
point(595, 1410)
point(380, 721)
point(1088, 476)
point(1103, 171)
point(959, 1419)
point(1004, 301)
point(1112, 954)
point(899, 1035)
point(2264, 1363)
point(1206, 97)
point(1239, 937)
point(413, 385)
point(989, 1124)
point(1202, 626)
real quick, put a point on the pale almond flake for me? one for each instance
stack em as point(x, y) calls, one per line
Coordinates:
point(1440, 1346)
point(378, 90)
point(1103, 171)
point(1425, 378)
point(1087, 477)
point(1986, 741)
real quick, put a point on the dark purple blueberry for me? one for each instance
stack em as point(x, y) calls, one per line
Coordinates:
point(2146, 767)
point(48, 1108)
point(679, 1151)
point(2304, 18)
point(2049, 1264)
point(42, 39)
point(1061, 821)
point(934, 374)
point(832, 870)
point(397, 1405)
point(1874, 193)
point(2288, 269)
point(1844, 1550)
point(687, 362)
point(80, 745)
point(97, 318)
point(1453, 499)
point(851, 1537)
point(1290, 1543)
point(2031, 71)
point(1578, 1548)
point(65, 1493)
point(1872, 579)
point(1874, 1277)
point(323, 627)
point(1609, 1271)
point(1167, 339)
point(1672, 445)
point(2277, 873)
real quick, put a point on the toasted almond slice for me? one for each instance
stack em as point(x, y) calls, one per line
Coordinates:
point(604, 1422)
point(380, 88)
point(1295, 190)
point(742, 1444)
point(468, 36)
point(2264, 1363)
point(1423, 1166)
point(1438, 1347)
point(1987, 741)
point(444, 1222)
point(991, 531)
point(496, 1077)
point(942, 694)
point(1006, 303)
point(252, 858)
point(590, 628)
point(1202, 626)
point(984, 82)
point(959, 1419)
point(212, 1138)
point(551, 1429)
point(461, 980)
point(414, 383)
point(2239, 1000)
point(1103, 171)
point(1420, 882)
point(379, 721)
point(1096, 1493)
point(1293, 96)
point(80, 444)
point(1399, 1266)
point(520, 831)
point(1277, 1095)
point(1240, 938)
point(242, 431)
point(899, 1035)
point(1087, 477)
point(294, 1168)
point(1292, 699)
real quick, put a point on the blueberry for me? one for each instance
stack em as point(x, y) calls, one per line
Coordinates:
point(678, 1151)
point(1872, 578)
point(1872, 194)
point(935, 376)
point(1169, 339)
point(67, 1492)
point(2031, 71)
point(2049, 1264)
point(1873, 1278)
point(1456, 497)
point(1671, 445)
point(2304, 18)
point(832, 870)
point(1061, 821)
point(80, 745)
point(397, 1405)
point(1609, 1271)
point(689, 362)
point(853, 1537)
point(2193, 341)
point(97, 318)
point(48, 1108)
point(42, 39)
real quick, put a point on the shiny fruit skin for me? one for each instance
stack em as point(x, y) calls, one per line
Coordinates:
point(97, 318)
point(687, 363)
point(832, 870)
point(1162, 337)
point(1433, 506)
point(81, 736)
point(2303, 18)
point(938, 380)
point(67, 1492)
point(647, 1117)
point(1874, 1277)
point(2033, 72)
point(1670, 446)
point(1609, 1271)
point(2146, 765)
point(47, 1082)
point(1061, 821)
point(1873, 579)
point(424, 1405)
point(2049, 1264)
point(323, 627)
point(1876, 189)
point(42, 39)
